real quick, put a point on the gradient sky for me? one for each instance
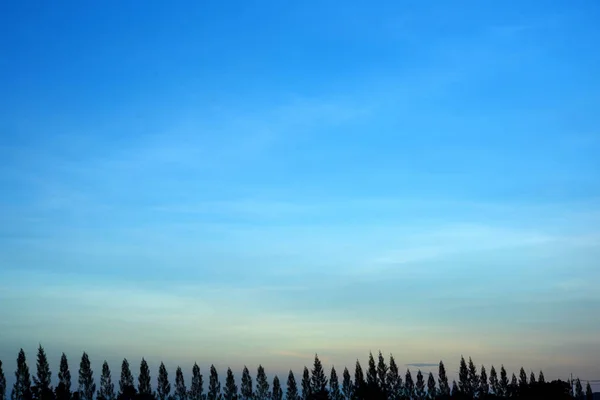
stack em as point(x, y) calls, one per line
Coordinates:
point(253, 182)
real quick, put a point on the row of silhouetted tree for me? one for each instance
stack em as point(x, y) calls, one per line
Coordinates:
point(382, 381)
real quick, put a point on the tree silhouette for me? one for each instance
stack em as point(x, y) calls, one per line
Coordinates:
point(231, 391)
point(292, 388)
point(409, 386)
point(262, 385)
point(431, 389)
point(382, 372)
point(2, 383)
point(463, 378)
point(306, 388)
point(394, 380)
point(589, 394)
point(504, 384)
point(532, 380)
point(277, 392)
point(513, 387)
point(541, 378)
point(334, 386)
point(371, 372)
point(180, 389)
point(214, 386)
point(455, 390)
point(163, 385)
point(107, 387)
point(359, 382)
point(347, 385)
point(318, 380)
point(63, 389)
point(579, 395)
point(443, 381)
point(144, 385)
point(494, 383)
point(420, 386)
point(522, 379)
point(87, 387)
point(484, 386)
point(197, 386)
point(126, 385)
point(473, 379)
point(246, 388)
point(42, 380)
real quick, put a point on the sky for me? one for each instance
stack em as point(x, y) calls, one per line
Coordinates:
point(242, 183)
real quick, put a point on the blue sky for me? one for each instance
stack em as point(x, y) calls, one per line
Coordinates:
point(240, 183)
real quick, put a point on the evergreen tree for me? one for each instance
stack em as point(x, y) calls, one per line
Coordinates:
point(87, 386)
point(230, 392)
point(504, 384)
point(246, 388)
point(589, 394)
point(484, 386)
point(126, 384)
point(292, 388)
point(541, 378)
point(420, 386)
point(144, 385)
point(214, 386)
point(180, 389)
point(455, 390)
point(532, 380)
point(513, 387)
point(41, 389)
point(2, 383)
point(473, 379)
point(107, 387)
point(579, 395)
point(431, 389)
point(277, 392)
point(359, 380)
point(63, 389)
point(197, 386)
point(334, 386)
point(262, 385)
point(318, 380)
point(522, 379)
point(463, 377)
point(371, 372)
point(347, 385)
point(443, 381)
point(494, 383)
point(306, 388)
point(394, 381)
point(409, 386)
point(382, 373)
point(164, 386)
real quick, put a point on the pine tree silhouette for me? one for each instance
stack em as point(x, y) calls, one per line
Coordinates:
point(214, 386)
point(513, 388)
point(394, 381)
point(197, 385)
point(63, 389)
point(107, 387)
point(359, 382)
point(277, 392)
point(144, 385)
point(181, 392)
point(589, 394)
point(87, 387)
point(292, 388)
point(494, 383)
point(347, 385)
point(579, 395)
point(262, 385)
point(371, 372)
point(455, 390)
point(443, 384)
point(532, 380)
point(163, 385)
point(2, 383)
point(230, 392)
point(306, 388)
point(522, 379)
point(126, 384)
point(463, 378)
point(473, 379)
point(246, 388)
point(318, 380)
point(334, 386)
point(541, 378)
point(431, 388)
point(382, 372)
point(420, 386)
point(409, 385)
point(484, 386)
point(504, 383)
point(42, 389)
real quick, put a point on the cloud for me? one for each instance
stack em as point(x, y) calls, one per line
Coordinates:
point(422, 365)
